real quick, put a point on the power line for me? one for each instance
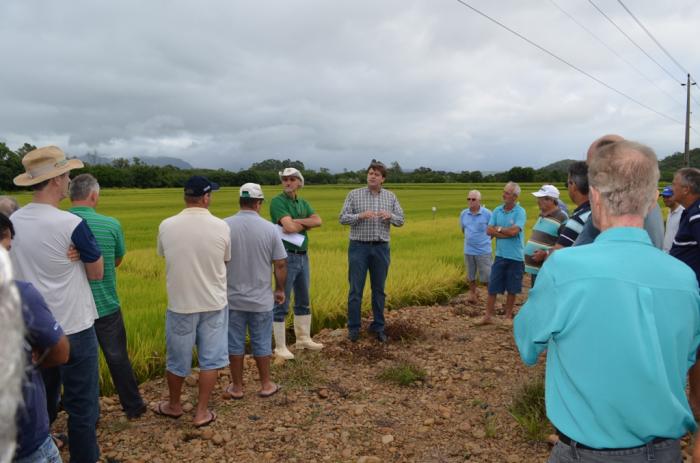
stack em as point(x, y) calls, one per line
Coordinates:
point(590, 76)
point(592, 34)
point(633, 42)
point(639, 23)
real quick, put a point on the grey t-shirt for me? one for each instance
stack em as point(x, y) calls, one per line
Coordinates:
point(255, 243)
point(653, 224)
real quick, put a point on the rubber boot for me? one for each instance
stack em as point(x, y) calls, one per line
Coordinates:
point(302, 330)
point(281, 351)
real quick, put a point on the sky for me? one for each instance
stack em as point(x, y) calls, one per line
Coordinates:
point(225, 83)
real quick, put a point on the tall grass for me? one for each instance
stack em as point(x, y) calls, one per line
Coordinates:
point(426, 254)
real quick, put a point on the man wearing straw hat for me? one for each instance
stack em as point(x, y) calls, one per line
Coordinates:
point(39, 254)
point(294, 215)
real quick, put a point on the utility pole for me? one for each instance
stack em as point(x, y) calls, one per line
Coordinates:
point(687, 123)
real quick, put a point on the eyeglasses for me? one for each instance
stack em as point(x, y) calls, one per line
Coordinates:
point(472, 199)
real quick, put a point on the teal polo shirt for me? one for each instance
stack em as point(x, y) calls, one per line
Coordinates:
point(283, 205)
point(620, 321)
point(509, 248)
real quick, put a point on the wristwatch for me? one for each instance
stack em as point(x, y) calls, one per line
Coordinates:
point(499, 229)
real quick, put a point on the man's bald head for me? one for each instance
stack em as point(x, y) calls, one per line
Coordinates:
point(600, 143)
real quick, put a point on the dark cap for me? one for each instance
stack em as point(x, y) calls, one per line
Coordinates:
point(199, 186)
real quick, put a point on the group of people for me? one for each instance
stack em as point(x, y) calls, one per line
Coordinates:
point(618, 318)
point(62, 265)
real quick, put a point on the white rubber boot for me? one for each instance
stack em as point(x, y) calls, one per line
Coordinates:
point(302, 330)
point(281, 351)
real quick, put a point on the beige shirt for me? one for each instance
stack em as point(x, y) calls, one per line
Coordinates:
point(196, 246)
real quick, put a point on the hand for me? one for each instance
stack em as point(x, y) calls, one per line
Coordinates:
point(384, 215)
point(539, 255)
point(279, 296)
point(367, 215)
point(73, 254)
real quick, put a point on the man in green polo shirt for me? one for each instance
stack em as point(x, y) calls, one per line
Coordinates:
point(109, 327)
point(295, 216)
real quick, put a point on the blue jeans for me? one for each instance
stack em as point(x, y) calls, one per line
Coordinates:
point(259, 327)
point(79, 378)
point(364, 257)
point(111, 335)
point(668, 451)
point(298, 279)
point(46, 453)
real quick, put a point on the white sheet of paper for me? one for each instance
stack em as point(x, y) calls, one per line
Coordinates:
point(297, 239)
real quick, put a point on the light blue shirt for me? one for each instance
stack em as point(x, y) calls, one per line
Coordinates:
point(620, 321)
point(509, 248)
point(476, 241)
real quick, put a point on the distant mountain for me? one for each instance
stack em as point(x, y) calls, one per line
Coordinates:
point(96, 159)
point(559, 166)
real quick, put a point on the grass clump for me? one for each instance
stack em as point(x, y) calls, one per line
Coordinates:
point(403, 373)
point(529, 411)
point(304, 372)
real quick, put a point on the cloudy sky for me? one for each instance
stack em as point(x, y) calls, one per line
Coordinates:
point(333, 83)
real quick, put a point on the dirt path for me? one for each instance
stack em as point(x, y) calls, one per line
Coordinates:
point(334, 407)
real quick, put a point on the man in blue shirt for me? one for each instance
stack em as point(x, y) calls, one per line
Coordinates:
point(620, 335)
point(506, 225)
point(477, 244)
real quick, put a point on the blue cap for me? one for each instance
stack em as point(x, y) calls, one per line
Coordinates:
point(199, 186)
point(667, 192)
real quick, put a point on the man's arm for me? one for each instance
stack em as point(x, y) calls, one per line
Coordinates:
point(280, 271)
point(311, 221)
point(95, 270)
point(85, 242)
point(50, 346)
point(504, 232)
point(56, 355)
point(347, 217)
point(397, 218)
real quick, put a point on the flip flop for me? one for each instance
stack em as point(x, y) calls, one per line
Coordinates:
point(159, 411)
point(229, 394)
point(265, 395)
point(60, 439)
point(206, 422)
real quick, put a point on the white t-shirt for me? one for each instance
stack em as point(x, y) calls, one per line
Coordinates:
point(672, 223)
point(39, 254)
point(196, 246)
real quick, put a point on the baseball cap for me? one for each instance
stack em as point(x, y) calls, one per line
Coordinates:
point(292, 172)
point(667, 192)
point(199, 186)
point(251, 190)
point(547, 190)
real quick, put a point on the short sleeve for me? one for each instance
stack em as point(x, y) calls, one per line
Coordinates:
point(492, 219)
point(277, 210)
point(43, 331)
point(84, 241)
point(520, 218)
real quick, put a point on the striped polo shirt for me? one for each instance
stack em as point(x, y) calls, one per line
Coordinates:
point(685, 245)
point(573, 227)
point(544, 236)
point(110, 239)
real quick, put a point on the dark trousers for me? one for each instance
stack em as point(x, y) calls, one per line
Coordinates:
point(362, 258)
point(79, 378)
point(111, 336)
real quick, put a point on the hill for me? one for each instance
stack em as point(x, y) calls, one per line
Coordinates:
point(677, 160)
point(559, 166)
point(160, 161)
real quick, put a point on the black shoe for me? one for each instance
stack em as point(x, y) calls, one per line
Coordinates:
point(381, 337)
point(353, 335)
point(133, 415)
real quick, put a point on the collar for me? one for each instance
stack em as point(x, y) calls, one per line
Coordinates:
point(195, 210)
point(82, 208)
point(583, 206)
point(628, 234)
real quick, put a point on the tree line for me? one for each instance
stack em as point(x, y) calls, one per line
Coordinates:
point(125, 173)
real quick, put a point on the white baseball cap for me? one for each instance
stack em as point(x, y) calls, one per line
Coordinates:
point(292, 172)
point(547, 190)
point(251, 190)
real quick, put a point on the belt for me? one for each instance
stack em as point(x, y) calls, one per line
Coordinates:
point(301, 253)
point(371, 243)
point(564, 439)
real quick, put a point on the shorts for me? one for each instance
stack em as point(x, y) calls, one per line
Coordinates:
point(206, 330)
point(506, 275)
point(480, 264)
point(259, 326)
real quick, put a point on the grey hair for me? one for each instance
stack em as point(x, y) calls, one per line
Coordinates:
point(514, 187)
point(11, 356)
point(477, 193)
point(626, 175)
point(690, 177)
point(8, 205)
point(81, 187)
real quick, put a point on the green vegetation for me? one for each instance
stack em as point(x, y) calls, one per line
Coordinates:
point(305, 372)
point(403, 373)
point(528, 409)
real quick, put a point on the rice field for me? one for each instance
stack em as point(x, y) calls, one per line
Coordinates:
point(426, 267)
